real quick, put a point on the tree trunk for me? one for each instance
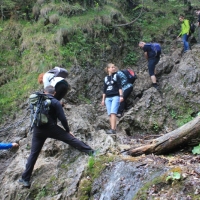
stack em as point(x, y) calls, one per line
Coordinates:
point(171, 140)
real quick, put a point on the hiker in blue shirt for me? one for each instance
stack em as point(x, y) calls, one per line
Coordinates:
point(152, 59)
point(127, 88)
point(8, 145)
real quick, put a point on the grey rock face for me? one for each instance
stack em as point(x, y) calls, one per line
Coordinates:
point(60, 168)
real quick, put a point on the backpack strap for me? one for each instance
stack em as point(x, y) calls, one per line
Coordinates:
point(52, 78)
point(54, 71)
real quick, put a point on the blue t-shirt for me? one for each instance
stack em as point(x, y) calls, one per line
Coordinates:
point(124, 81)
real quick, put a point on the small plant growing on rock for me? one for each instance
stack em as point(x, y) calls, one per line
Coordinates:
point(174, 176)
point(91, 163)
point(196, 150)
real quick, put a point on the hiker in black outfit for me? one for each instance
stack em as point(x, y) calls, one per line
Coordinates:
point(152, 61)
point(51, 130)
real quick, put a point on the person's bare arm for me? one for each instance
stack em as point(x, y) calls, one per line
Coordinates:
point(121, 95)
point(103, 100)
point(146, 55)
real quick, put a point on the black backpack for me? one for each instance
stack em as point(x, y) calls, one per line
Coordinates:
point(39, 106)
point(130, 74)
point(192, 28)
point(58, 72)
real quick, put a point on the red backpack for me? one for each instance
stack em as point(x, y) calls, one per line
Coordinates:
point(130, 74)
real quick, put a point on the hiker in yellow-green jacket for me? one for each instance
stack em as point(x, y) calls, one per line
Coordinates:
point(185, 29)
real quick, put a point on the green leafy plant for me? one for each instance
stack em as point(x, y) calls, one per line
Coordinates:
point(91, 163)
point(174, 176)
point(155, 126)
point(130, 59)
point(196, 150)
point(173, 114)
point(184, 119)
point(42, 193)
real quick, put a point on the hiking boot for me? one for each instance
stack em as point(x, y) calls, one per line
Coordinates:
point(111, 132)
point(155, 85)
point(186, 51)
point(24, 183)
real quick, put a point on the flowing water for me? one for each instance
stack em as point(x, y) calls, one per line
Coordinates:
point(123, 179)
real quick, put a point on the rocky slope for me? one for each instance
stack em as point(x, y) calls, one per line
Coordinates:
point(62, 172)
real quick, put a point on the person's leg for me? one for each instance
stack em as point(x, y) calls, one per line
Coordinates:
point(151, 66)
point(114, 109)
point(127, 93)
point(121, 107)
point(36, 147)
point(61, 90)
point(153, 79)
point(113, 121)
point(123, 104)
point(56, 132)
point(185, 42)
point(108, 102)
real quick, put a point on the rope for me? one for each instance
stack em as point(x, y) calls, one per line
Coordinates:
point(129, 23)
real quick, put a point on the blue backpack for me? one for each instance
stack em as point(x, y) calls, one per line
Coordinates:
point(156, 48)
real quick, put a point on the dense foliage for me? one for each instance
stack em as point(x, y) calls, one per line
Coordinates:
point(36, 36)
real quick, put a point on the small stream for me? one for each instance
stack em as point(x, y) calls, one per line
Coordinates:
point(123, 179)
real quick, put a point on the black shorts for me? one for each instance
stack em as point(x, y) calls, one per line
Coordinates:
point(152, 62)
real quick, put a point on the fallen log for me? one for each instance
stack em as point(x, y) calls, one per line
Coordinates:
point(171, 140)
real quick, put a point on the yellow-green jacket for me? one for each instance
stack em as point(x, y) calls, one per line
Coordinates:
point(185, 27)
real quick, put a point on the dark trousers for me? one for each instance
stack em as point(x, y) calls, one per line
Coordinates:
point(152, 62)
point(55, 132)
point(123, 104)
point(61, 89)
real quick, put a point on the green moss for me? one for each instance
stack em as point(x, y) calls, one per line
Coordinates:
point(142, 193)
point(16, 91)
point(181, 111)
point(95, 168)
